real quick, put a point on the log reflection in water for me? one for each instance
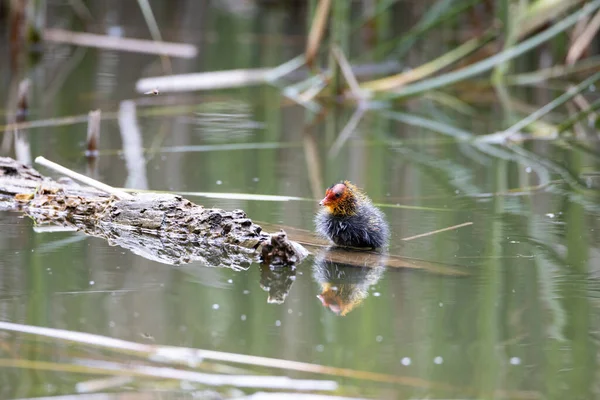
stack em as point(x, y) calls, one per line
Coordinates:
point(277, 281)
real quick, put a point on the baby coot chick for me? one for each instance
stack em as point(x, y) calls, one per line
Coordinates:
point(348, 218)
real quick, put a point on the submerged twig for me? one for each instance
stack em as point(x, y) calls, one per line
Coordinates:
point(117, 43)
point(93, 133)
point(192, 357)
point(450, 228)
point(130, 369)
point(204, 80)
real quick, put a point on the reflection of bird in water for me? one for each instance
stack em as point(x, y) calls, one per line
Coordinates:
point(345, 286)
point(277, 281)
point(350, 219)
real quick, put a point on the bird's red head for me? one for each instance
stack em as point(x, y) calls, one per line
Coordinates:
point(333, 305)
point(341, 199)
point(334, 195)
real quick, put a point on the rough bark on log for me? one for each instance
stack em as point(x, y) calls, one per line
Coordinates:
point(165, 228)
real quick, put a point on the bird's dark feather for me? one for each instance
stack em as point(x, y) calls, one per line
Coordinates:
point(366, 228)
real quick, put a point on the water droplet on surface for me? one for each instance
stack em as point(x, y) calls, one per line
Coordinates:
point(215, 306)
point(438, 360)
point(243, 317)
point(379, 339)
point(219, 182)
point(92, 283)
point(550, 215)
point(441, 304)
point(376, 294)
point(246, 291)
point(278, 323)
point(528, 170)
point(290, 311)
point(229, 280)
point(406, 361)
point(255, 179)
point(515, 361)
point(320, 348)
point(111, 324)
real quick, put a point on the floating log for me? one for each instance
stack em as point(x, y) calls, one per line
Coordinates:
point(165, 228)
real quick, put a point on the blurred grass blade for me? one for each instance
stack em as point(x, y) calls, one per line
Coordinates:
point(150, 20)
point(512, 19)
point(377, 9)
point(396, 81)
point(154, 32)
point(450, 102)
point(286, 68)
point(568, 124)
point(317, 30)
point(541, 12)
point(347, 71)
point(491, 62)
point(440, 12)
point(415, 120)
point(436, 14)
point(559, 101)
point(584, 40)
point(557, 71)
point(348, 130)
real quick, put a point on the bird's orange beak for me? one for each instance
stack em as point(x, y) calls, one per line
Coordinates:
point(325, 202)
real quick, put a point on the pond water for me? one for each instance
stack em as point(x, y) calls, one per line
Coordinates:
point(506, 307)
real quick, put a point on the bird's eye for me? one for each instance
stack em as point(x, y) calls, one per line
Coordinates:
point(338, 195)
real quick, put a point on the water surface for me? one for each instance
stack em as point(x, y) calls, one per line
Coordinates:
point(510, 311)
